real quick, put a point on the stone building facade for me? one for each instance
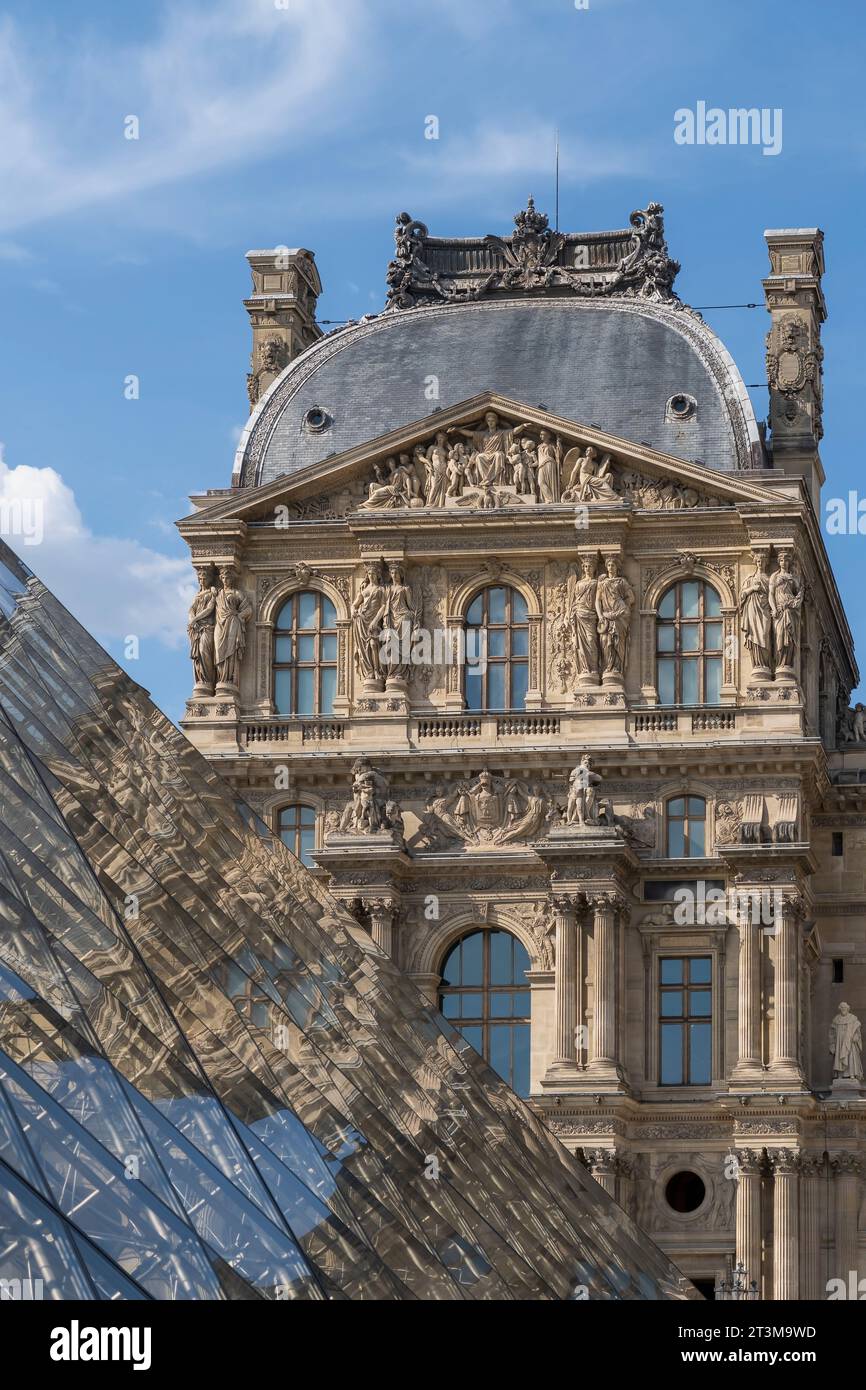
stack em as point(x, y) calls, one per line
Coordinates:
point(518, 626)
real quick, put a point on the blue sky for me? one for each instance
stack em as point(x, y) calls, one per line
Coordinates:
point(304, 125)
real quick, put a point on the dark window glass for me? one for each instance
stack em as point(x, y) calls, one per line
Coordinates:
point(686, 827)
point(497, 650)
point(838, 844)
point(685, 1021)
point(297, 830)
point(305, 655)
point(689, 645)
point(485, 994)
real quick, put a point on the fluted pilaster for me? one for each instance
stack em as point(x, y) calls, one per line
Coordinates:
point(749, 1235)
point(785, 1164)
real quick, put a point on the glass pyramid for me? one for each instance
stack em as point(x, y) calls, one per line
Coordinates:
point(213, 1085)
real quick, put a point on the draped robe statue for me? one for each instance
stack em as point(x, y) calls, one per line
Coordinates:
point(846, 1045)
point(584, 621)
point(786, 600)
point(368, 617)
point(755, 618)
point(233, 612)
point(614, 599)
point(200, 630)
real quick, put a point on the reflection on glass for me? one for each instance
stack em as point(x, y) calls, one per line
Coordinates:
point(227, 1093)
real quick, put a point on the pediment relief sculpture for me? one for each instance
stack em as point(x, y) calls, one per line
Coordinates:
point(496, 463)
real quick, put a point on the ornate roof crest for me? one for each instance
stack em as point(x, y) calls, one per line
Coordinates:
point(632, 262)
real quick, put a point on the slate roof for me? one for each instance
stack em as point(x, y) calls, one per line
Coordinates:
point(612, 363)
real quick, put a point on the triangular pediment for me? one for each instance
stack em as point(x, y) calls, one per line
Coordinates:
point(488, 454)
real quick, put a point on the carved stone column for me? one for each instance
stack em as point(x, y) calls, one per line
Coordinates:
point(565, 989)
point(785, 1063)
point(785, 1164)
point(811, 1185)
point(604, 1060)
point(846, 1176)
point(749, 1230)
point(602, 1165)
point(748, 1065)
point(382, 922)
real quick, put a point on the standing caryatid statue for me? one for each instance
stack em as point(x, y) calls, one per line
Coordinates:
point(756, 619)
point(368, 620)
point(200, 630)
point(401, 621)
point(846, 1045)
point(582, 807)
point(786, 601)
point(233, 612)
point(584, 623)
point(614, 600)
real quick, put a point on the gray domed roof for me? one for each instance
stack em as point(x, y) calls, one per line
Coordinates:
point(614, 364)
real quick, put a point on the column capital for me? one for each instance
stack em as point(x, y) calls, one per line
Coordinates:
point(602, 1161)
point(812, 1166)
point(607, 900)
point(784, 1162)
point(750, 1162)
point(846, 1164)
point(566, 904)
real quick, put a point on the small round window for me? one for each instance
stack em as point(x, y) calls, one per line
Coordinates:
point(685, 1192)
point(680, 407)
point(317, 419)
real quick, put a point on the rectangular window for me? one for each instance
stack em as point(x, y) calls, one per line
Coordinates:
point(685, 1021)
point(838, 844)
point(838, 972)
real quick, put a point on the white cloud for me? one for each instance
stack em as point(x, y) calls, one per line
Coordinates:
point(216, 83)
point(115, 587)
point(522, 148)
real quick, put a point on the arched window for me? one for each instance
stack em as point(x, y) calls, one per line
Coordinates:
point(689, 645)
point(686, 827)
point(297, 830)
point(305, 655)
point(497, 650)
point(485, 994)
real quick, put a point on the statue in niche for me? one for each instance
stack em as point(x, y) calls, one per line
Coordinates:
point(614, 601)
point(368, 618)
point(846, 1045)
point(233, 612)
point(588, 477)
point(200, 629)
point(785, 596)
point(581, 607)
point(756, 618)
point(582, 808)
point(370, 809)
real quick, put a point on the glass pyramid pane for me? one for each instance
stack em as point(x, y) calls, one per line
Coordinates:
point(213, 1085)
